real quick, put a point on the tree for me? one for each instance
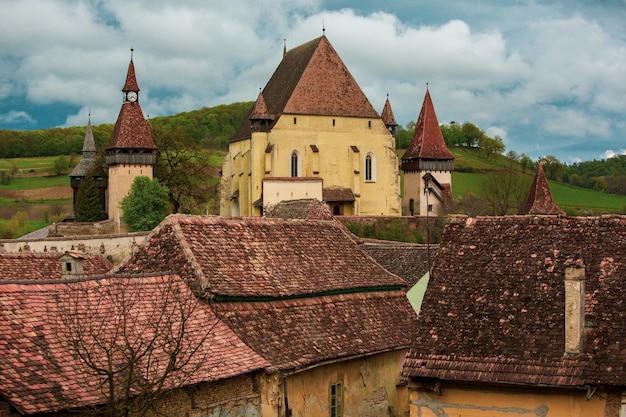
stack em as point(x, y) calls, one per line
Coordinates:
point(131, 339)
point(184, 168)
point(553, 168)
point(60, 164)
point(145, 205)
point(452, 134)
point(88, 206)
point(505, 191)
point(491, 146)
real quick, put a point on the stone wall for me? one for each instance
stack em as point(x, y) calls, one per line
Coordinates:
point(113, 247)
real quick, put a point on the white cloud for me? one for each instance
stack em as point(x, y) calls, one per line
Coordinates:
point(609, 153)
point(17, 117)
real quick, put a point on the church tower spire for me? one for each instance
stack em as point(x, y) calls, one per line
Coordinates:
point(540, 199)
point(427, 166)
point(131, 151)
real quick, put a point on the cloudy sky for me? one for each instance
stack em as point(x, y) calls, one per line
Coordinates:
point(548, 77)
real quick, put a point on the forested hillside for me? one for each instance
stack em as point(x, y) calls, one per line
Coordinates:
point(210, 127)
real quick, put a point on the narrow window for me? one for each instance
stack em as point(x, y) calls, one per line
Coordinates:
point(369, 124)
point(336, 399)
point(370, 167)
point(295, 164)
point(430, 207)
point(333, 122)
point(68, 266)
point(412, 206)
point(294, 120)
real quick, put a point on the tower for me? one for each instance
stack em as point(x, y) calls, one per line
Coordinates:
point(427, 166)
point(131, 151)
point(88, 165)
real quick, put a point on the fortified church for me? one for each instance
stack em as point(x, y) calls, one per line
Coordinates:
point(312, 133)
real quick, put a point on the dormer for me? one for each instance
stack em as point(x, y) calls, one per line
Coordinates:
point(71, 265)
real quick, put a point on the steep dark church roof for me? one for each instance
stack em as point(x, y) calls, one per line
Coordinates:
point(312, 80)
point(427, 142)
point(540, 199)
point(131, 130)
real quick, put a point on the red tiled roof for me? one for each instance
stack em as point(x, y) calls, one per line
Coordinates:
point(495, 310)
point(301, 209)
point(337, 194)
point(312, 79)
point(131, 79)
point(260, 257)
point(387, 115)
point(409, 261)
point(40, 372)
point(131, 130)
point(540, 199)
point(259, 110)
point(427, 142)
point(45, 265)
point(295, 333)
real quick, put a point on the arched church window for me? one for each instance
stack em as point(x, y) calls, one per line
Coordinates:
point(370, 167)
point(296, 164)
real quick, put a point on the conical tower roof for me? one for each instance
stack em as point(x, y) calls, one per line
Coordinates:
point(131, 79)
point(387, 115)
point(427, 142)
point(312, 79)
point(259, 111)
point(89, 145)
point(540, 199)
point(131, 130)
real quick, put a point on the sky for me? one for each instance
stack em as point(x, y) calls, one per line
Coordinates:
point(548, 77)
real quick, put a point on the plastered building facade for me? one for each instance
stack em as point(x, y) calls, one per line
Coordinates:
point(312, 133)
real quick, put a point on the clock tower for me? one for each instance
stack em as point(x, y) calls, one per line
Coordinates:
point(131, 151)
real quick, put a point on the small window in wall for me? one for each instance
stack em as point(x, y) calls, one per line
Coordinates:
point(336, 399)
point(296, 164)
point(295, 120)
point(412, 207)
point(430, 207)
point(370, 167)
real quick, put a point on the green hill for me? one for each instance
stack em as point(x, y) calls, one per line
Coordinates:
point(472, 169)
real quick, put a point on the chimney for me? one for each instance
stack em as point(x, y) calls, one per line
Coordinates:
point(574, 305)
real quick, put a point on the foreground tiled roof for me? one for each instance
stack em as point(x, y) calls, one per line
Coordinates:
point(260, 257)
point(301, 209)
point(295, 333)
point(312, 80)
point(40, 371)
point(45, 265)
point(494, 308)
point(427, 142)
point(540, 199)
point(407, 260)
point(337, 194)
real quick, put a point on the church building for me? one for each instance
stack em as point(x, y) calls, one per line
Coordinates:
point(312, 133)
point(427, 166)
point(131, 151)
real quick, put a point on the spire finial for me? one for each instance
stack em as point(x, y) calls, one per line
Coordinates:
point(284, 47)
point(131, 53)
point(323, 28)
point(426, 86)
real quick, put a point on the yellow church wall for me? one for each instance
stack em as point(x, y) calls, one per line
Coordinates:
point(337, 163)
point(121, 177)
point(475, 402)
point(368, 388)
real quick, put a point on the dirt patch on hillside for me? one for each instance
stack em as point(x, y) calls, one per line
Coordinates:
point(51, 193)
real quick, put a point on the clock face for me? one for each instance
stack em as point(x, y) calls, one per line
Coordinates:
point(131, 96)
